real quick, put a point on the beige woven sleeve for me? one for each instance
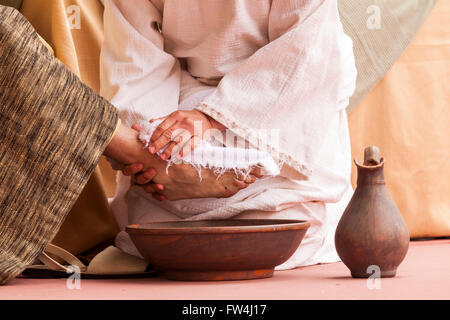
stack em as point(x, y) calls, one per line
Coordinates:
point(53, 130)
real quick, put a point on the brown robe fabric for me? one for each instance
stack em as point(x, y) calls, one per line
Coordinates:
point(90, 224)
point(11, 3)
point(49, 143)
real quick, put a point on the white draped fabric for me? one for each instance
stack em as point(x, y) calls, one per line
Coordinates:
point(285, 66)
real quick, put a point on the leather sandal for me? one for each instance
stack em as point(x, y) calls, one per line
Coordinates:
point(111, 263)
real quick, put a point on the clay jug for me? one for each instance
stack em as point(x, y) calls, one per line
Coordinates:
point(371, 235)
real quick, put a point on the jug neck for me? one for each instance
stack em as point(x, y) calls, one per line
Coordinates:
point(370, 174)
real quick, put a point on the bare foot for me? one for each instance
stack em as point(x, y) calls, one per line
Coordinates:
point(183, 182)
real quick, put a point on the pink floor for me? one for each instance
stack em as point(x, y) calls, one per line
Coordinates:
point(424, 274)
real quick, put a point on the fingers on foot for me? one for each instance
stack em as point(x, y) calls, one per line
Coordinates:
point(158, 196)
point(132, 169)
point(154, 188)
point(146, 177)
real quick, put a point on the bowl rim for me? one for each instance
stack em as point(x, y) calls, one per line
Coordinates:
point(273, 225)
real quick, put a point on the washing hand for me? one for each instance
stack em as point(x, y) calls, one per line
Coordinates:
point(181, 132)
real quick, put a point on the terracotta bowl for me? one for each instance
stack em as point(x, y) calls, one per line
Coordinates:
point(218, 249)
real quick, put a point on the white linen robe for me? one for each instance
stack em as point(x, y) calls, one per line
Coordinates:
point(281, 65)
